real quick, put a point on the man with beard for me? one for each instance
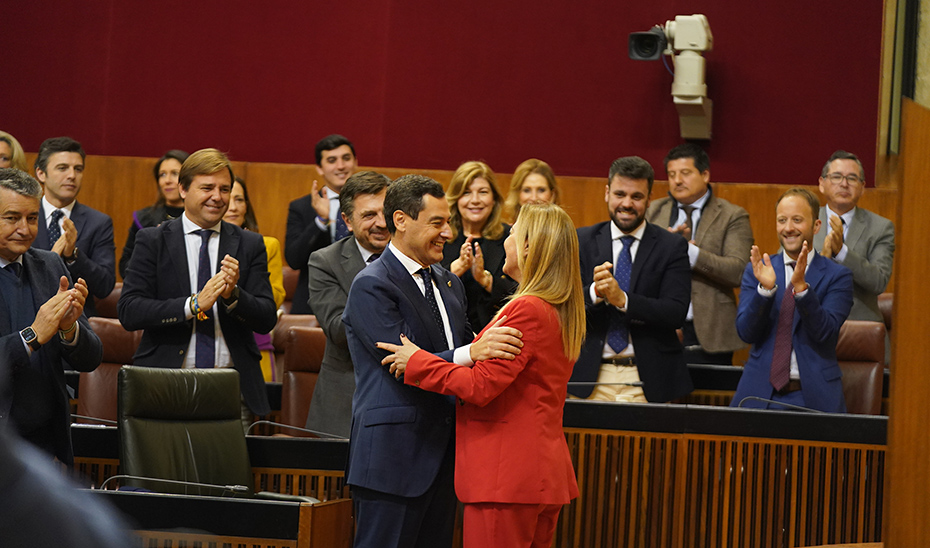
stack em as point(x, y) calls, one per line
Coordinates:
point(332, 270)
point(791, 308)
point(637, 283)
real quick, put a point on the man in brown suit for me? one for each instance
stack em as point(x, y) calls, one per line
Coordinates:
point(719, 239)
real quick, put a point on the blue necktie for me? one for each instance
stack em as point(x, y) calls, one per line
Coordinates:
point(54, 228)
point(206, 340)
point(618, 336)
point(341, 229)
point(427, 276)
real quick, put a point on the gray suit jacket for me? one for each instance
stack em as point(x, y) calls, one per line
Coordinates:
point(332, 270)
point(871, 254)
point(725, 238)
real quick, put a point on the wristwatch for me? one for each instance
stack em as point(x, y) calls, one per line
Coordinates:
point(29, 335)
point(72, 257)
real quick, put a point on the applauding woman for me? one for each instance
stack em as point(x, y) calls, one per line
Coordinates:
point(513, 470)
point(476, 252)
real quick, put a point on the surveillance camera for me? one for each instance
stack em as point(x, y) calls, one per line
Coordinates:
point(649, 45)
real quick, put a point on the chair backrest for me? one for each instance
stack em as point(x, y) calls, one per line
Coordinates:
point(885, 304)
point(860, 352)
point(290, 285)
point(303, 355)
point(182, 424)
point(97, 388)
point(106, 307)
point(279, 336)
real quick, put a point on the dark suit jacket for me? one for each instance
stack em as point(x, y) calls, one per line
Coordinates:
point(393, 423)
point(483, 305)
point(96, 260)
point(657, 303)
point(724, 237)
point(332, 270)
point(871, 254)
point(302, 238)
point(45, 269)
point(158, 284)
point(818, 317)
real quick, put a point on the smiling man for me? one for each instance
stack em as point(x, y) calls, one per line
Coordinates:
point(719, 237)
point(791, 308)
point(332, 270)
point(856, 238)
point(81, 235)
point(637, 286)
point(401, 457)
point(199, 286)
point(314, 221)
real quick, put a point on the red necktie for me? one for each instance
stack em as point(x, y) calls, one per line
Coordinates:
point(781, 357)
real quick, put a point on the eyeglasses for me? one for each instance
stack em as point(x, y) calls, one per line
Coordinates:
point(837, 178)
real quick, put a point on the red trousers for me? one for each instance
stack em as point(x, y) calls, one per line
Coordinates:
point(491, 524)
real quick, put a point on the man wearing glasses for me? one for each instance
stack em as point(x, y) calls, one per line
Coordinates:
point(858, 239)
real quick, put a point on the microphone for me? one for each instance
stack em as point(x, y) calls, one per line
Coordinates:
point(315, 432)
point(637, 383)
point(95, 419)
point(792, 406)
point(234, 488)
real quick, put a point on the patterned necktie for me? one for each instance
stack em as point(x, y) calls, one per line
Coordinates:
point(341, 229)
point(373, 257)
point(689, 221)
point(54, 228)
point(206, 340)
point(427, 276)
point(781, 356)
point(618, 335)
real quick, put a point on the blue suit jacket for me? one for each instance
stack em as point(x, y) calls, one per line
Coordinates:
point(157, 285)
point(45, 269)
point(818, 317)
point(96, 261)
point(393, 423)
point(660, 290)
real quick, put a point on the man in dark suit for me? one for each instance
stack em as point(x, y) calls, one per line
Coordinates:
point(791, 308)
point(314, 221)
point(332, 270)
point(41, 324)
point(637, 285)
point(856, 238)
point(405, 292)
point(719, 238)
point(82, 235)
point(199, 286)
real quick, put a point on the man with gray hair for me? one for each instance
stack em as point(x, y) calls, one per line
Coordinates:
point(36, 340)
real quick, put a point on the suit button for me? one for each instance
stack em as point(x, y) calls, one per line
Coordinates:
point(417, 383)
point(448, 420)
point(180, 352)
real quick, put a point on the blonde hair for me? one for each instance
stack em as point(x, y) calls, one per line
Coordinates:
point(550, 269)
point(524, 170)
point(462, 179)
point(18, 160)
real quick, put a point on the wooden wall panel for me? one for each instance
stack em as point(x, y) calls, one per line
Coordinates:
point(908, 485)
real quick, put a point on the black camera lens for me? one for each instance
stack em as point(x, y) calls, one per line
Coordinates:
point(647, 46)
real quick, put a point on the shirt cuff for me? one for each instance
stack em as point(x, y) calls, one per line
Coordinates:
point(767, 293)
point(188, 315)
point(841, 256)
point(693, 252)
point(77, 335)
point(462, 356)
point(319, 223)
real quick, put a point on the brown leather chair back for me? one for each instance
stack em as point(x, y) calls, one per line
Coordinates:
point(290, 285)
point(885, 304)
point(279, 336)
point(106, 307)
point(860, 352)
point(97, 388)
point(303, 355)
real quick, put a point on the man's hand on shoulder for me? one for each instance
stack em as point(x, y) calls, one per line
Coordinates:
point(498, 341)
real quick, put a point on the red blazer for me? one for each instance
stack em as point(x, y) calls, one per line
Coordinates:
point(509, 443)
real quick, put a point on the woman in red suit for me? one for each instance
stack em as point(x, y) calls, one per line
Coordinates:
point(513, 471)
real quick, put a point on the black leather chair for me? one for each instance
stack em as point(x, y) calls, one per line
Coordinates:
point(184, 425)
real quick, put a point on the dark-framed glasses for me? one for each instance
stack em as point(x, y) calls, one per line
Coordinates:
point(837, 178)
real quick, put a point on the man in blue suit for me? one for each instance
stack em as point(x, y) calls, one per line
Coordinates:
point(42, 328)
point(791, 308)
point(82, 235)
point(401, 451)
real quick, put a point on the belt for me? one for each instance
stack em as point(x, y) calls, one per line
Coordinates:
point(627, 361)
point(793, 386)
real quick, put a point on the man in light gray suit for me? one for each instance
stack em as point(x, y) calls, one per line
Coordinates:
point(719, 239)
point(857, 239)
point(331, 271)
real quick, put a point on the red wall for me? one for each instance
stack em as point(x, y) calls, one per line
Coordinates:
point(430, 84)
